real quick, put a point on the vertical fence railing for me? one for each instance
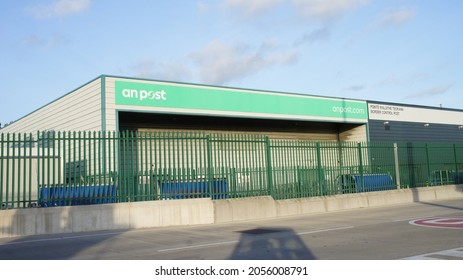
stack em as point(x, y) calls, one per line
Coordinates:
point(76, 168)
point(73, 169)
point(293, 168)
point(239, 163)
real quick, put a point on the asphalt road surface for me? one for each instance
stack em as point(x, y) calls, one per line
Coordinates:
point(411, 231)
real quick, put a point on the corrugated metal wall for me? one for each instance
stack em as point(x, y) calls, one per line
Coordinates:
point(414, 132)
point(80, 110)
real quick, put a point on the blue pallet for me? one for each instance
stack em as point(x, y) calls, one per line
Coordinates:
point(371, 182)
point(194, 189)
point(76, 195)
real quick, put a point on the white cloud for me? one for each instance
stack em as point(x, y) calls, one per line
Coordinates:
point(251, 7)
point(320, 34)
point(144, 68)
point(392, 17)
point(325, 10)
point(59, 8)
point(430, 92)
point(202, 7)
point(216, 63)
point(402, 80)
point(172, 71)
point(355, 88)
point(219, 63)
point(45, 43)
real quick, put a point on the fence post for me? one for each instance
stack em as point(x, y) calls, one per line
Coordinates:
point(320, 170)
point(13, 170)
point(103, 156)
point(209, 164)
point(359, 146)
point(2, 163)
point(118, 165)
point(396, 161)
point(7, 175)
point(269, 166)
point(456, 159)
point(428, 164)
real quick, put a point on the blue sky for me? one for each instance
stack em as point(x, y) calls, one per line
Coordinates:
point(401, 51)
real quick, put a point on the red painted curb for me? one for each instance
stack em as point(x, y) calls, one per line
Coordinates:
point(439, 222)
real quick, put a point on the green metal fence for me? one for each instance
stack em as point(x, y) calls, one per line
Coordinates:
point(46, 169)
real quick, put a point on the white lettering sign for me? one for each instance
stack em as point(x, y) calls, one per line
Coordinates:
point(392, 112)
point(349, 110)
point(144, 94)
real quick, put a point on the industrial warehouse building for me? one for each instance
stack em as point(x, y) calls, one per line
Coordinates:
point(399, 122)
point(129, 139)
point(111, 103)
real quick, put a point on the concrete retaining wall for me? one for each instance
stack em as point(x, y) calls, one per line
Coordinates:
point(226, 210)
point(125, 216)
point(242, 209)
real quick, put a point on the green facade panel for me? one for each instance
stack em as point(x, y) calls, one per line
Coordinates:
point(232, 102)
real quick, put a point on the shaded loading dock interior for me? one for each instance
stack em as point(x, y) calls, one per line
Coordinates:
point(275, 129)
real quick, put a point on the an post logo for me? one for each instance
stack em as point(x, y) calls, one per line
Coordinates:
point(144, 94)
point(141, 94)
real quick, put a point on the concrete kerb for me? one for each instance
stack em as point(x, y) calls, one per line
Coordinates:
point(253, 208)
point(242, 209)
point(125, 216)
point(120, 216)
point(448, 192)
point(300, 206)
point(346, 202)
point(390, 197)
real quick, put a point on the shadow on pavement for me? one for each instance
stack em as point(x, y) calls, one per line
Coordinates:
point(442, 205)
point(271, 244)
point(59, 246)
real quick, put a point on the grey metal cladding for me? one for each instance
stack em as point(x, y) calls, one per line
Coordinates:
point(413, 131)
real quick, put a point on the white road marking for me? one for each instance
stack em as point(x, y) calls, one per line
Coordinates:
point(58, 238)
point(412, 218)
point(237, 241)
point(198, 246)
point(324, 230)
point(454, 254)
